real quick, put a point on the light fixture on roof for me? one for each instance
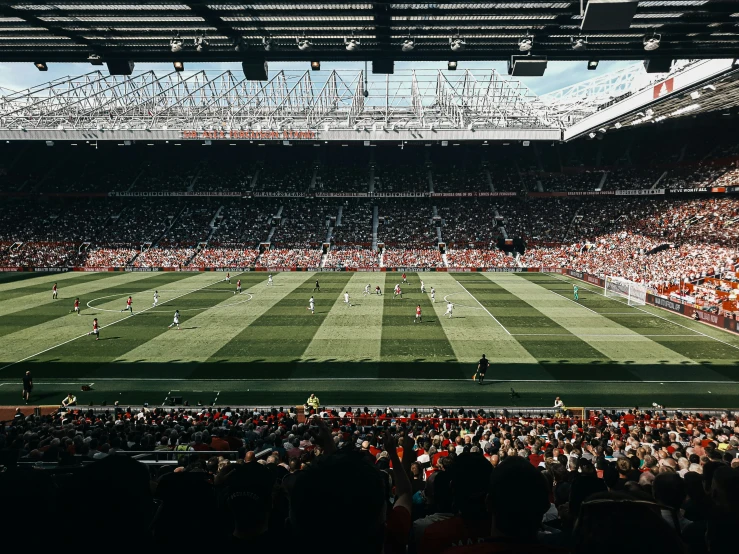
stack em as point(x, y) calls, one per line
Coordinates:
point(176, 44)
point(352, 44)
point(95, 59)
point(710, 87)
point(179, 66)
point(457, 44)
point(304, 45)
point(592, 65)
point(526, 43)
point(652, 43)
point(695, 95)
point(41, 66)
point(201, 43)
point(617, 125)
point(579, 44)
point(451, 66)
point(315, 66)
point(267, 44)
point(408, 45)
point(591, 135)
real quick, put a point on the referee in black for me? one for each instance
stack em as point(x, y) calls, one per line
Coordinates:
point(27, 386)
point(317, 287)
point(482, 367)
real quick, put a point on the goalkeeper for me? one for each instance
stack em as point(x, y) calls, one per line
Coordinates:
point(575, 291)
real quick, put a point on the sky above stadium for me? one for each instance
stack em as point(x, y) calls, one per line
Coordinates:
point(19, 76)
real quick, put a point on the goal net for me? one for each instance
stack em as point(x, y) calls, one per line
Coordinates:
point(634, 293)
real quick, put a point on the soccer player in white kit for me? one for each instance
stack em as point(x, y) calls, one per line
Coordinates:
point(269, 281)
point(156, 299)
point(449, 309)
point(312, 305)
point(176, 320)
point(366, 290)
point(433, 295)
point(346, 300)
point(423, 287)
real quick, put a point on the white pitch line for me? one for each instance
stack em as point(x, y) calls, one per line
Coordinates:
point(108, 325)
point(669, 320)
point(571, 300)
point(484, 308)
point(580, 335)
point(396, 379)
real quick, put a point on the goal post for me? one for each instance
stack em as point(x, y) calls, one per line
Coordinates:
point(634, 293)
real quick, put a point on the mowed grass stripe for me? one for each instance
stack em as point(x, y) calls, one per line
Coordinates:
point(519, 317)
point(405, 343)
point(204, 333)
point(624, 344)
point(283, 333)
point(471, 331)
point(349, 334)
point(35, 309)
point(10, 281)
point(128, 332)
point(41, 289)
point(718, 359)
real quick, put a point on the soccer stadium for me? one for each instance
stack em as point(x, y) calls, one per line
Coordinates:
point(467, 271)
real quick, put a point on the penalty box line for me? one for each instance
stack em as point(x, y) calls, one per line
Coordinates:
point(109, 324)
point(484, 308)
point(658, 316)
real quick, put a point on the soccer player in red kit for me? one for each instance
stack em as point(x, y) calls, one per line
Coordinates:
point(404, 279)
point(418, 314)
point(129, 305)
point(228, 277)
point(95, 329)
point(54, 292)
point(238, 287)
point(77, 305)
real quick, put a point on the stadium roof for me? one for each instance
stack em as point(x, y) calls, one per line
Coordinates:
point(141, 31)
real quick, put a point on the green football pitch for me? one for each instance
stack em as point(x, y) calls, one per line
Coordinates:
point(264, 347)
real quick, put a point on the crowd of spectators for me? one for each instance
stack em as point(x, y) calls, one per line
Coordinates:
point(476, 257)
point(460, 177)
point(469, 221)
point(109, 257)
point(412, 257)
point(164, 257)
point(40, 254)
point(224, 257)
point(406, 223)
point(355, 227)
point(304, 222)
point(338, 257)
point(191, 227)
point(274, 258)
point(244, 224)
point(440, 481)
point(285, 176)
point(337, 177)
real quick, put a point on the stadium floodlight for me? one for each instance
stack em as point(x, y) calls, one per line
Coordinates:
point(315, 66)
point(592, 65)
point(352, 44)
point(304, 45)
point(267, 44)
point(95, 59)
point(579, 44)
point(451, 66)
point(695, 95)
point(41, 66)
point(179, 66)
point(457, 44)
point(591, 135)
point(652, 43)
point(617, 125)
point(176, 44)
point(526, 43)
point(200, 43)
point(408, 45)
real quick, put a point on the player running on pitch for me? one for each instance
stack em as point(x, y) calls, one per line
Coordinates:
point(346, 300)
point(575, 292)
point(156, 299)
point(312, 305)
point(449, 309)
point(398, 292)
point(423, 288)
point(405, 281)
point(95, 329)
point(129, 305)
point(366, 290)
point(176, 321)
point(238, 287)
point(54, 292)
point(433, 295)
point(418, 314)
point(228, 277)
point(317, 287)
point(76, 306)
point(269, 280)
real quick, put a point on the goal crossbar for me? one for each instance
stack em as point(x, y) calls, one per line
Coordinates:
point(634, 293)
